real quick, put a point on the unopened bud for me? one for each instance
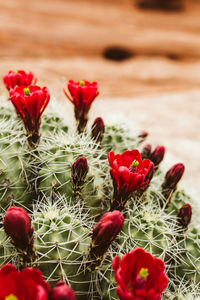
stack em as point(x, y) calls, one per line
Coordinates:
point(184, 215)
point(17, 225)
point(62, 292)
point(79, 171)
point(104, 234)
point(143, 135)
point(157, 155)
point(98, 129)
point(173, 176)
point(146, 152)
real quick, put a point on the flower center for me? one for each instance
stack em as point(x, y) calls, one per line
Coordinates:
point(144, 272)
point(135, 163)
point(82, 82)
point(26, 91)
point(11, 297)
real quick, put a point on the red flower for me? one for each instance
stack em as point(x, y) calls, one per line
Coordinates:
point(139, 276)
point(62, 292)
point(104, 233)
point(25, 285)
point(17, 225)
point(30, 103)
point(129, 173)
point(18, 78)
point(82, 94)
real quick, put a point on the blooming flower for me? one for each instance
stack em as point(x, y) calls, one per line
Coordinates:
point(129, 173)
point(17, 225)
point(30, 103)
point(82, 94)
point(18, 78)
point(25, 285)
point(139, 276)
point(104, 233)
point(62, 292)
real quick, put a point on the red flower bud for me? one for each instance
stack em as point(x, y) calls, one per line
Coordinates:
point(79, 171)
point(20, 78)
point(173, 176)
point(104, 234)
point(30, 103)
point(98, 129)
point(17, 225)
point(62, 292)
point(139, 275)
point(143, 135)
point(82, 95)
point(184, 215)
point(27, 284)
point(129, 173)
point(146, 152)
point(157, 155)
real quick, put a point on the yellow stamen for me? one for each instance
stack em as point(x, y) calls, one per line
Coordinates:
point(135, 163)
point(144, 272)
point(26, 91)
point(82, 83)
point(11, 297)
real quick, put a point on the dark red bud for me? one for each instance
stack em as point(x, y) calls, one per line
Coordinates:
point(17, 225)
point(173, 176)
point(184, 215)
point(62, 292)
point(98, 129)
point(157, 155)
point(146, 152)
point(79, 170)
point(106, 231)
point(143, 135)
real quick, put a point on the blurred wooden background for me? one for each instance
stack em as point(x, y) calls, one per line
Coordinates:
point(156, 82)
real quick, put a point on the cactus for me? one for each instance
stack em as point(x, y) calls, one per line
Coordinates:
point(38, 178)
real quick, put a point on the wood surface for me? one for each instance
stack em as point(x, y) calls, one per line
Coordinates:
point(158, 86)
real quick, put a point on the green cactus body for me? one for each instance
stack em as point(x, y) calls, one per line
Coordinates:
point(39, 180)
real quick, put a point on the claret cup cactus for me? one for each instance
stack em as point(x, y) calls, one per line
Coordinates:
point(88, 214)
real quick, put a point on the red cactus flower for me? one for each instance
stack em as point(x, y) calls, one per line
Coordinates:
point(62, 292)
point(25, 285)
point(185, 215)
point(139, 276)
point(30, 103)
point(129, 173)
point(17, 225)
point(82, 94)
point(20, 78)
point(103, 235)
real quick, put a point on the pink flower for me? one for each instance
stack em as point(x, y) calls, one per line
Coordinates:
point(139, 276)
